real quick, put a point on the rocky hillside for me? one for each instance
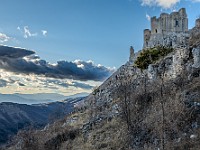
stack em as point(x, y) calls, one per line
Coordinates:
point(14, 117)
point(154, 108)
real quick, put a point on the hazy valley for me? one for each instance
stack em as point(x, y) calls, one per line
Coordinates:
point(15, 117)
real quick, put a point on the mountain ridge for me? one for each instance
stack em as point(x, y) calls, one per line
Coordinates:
point(36, 98)
point(14, 116)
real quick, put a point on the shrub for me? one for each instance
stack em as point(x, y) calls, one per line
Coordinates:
point(151, 55)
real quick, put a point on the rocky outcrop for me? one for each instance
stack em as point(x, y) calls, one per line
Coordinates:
point(196, 57)
point(194, 38)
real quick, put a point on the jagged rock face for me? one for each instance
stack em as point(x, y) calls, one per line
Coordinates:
point(171, 66)
point(173, 69)
point(194, 39)
point(196, 55)
point(152, 71)
point(178, 61)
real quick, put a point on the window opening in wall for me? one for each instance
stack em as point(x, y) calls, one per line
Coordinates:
point(170, 43)
point(176, 23)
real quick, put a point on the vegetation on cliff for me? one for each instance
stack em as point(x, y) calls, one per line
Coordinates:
point(151, 55)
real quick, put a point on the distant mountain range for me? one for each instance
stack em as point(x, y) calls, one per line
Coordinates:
point(14, 117)
point(36, 98)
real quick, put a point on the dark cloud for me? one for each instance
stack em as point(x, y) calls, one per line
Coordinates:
point(13, 59)
point(13, 52)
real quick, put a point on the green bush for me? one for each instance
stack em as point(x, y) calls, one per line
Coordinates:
point(151, 55)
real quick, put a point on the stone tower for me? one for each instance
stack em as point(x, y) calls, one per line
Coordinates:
point(131, 57)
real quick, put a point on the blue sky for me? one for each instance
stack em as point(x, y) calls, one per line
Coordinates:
point(97, 30)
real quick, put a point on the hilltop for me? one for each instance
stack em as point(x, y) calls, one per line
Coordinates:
point(151, 102)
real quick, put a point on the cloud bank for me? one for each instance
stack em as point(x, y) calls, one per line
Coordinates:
point(13, 52)
point(23, 61)
point(11, 82)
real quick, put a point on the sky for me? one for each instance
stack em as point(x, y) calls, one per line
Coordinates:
point(71, 46)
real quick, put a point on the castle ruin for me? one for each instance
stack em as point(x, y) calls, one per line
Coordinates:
point(168, 30)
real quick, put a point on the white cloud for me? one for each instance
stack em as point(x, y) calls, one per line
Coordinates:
point(80, 66)
point(27, 32)
point(44, 32)
point(4, 38)
point(148, 17)
point(166, 4)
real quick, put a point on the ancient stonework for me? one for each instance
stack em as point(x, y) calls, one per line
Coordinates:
point(168, 30)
